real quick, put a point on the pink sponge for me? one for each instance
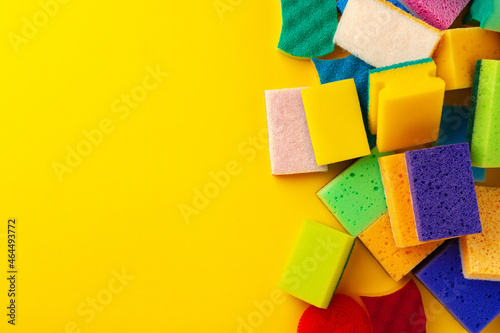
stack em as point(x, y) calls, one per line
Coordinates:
point(438, 13)
point(290, 145)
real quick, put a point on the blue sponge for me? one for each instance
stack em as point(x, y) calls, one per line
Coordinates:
point(454, 121)
point(342, 3)
point(349, 68)
point(473, 303)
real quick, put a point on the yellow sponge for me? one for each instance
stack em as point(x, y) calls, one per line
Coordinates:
point(396, 262)
point(481, 252)
point(397, 193)
point(335, 122)
point(405, 104)
point(458, 52)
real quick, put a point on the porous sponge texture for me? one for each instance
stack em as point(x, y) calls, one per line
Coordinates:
point(290, 146)
point(481, 252)
point(335, 122)
point(397, 192)
point(453, 129)
point(405, 104)
point(440, 14)
point(356, 196)
point(486, 12)
point(349, 67)
point(342, 3)
point(397, 262)
point(442, 191)
point(473, 303)
point(316, 263)
point(308, 27)
point(484, 123)
point(458, 52)
point(364, 32)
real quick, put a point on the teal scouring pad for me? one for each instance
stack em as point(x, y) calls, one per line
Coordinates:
point(484, 124)
point(349, 68)
point(356, 196)
point(308, 27)
point(486, 12)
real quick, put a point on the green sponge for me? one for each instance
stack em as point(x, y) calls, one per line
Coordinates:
point(308, 27)
point(486, 12)
point(316, 264)
point(356, 196)
point(484, 122)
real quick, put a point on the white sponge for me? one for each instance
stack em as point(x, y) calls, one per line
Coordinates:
point(383, 35)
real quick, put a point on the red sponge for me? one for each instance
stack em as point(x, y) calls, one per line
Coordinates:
point(343, 315)
point(401, 311)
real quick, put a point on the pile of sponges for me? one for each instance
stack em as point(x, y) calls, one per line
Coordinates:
point(410, 197)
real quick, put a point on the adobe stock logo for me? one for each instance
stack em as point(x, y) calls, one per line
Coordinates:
point(30, 26)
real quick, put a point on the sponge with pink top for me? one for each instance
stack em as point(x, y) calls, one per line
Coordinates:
point(289, 141)
point(438, 13)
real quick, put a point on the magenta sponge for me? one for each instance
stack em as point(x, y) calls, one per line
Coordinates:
point(442, 192)
point(289, 141)
point(438, 13)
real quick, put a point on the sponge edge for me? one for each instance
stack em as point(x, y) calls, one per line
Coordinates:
point(364, 32)
point(290, 146)
point(486, 12)
point(306, 33)
point(342, 3)
point(317, 263)
point(484, 124)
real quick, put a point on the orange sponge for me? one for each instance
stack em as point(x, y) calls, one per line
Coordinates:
point(397, 192)
point(458, 52)
point(481, 252)
point(397, 262)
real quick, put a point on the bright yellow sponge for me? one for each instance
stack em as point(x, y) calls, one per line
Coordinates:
point(481, 252)
point(396, 262)
point(397, 193)
point(405, 104)
point(458, 52)
point(335, 122)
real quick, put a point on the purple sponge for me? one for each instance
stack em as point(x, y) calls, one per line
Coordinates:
point(438, 13)
point(442, 192)
point(473, 303)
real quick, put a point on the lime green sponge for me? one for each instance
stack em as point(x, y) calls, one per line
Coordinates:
point(316, 264)
point(486, 12)
point(308, 27)
point(484, 124)
point(356, 196)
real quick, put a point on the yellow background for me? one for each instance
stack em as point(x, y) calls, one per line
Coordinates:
point(119, 209)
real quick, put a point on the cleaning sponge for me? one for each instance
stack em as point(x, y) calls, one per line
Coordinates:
point(481, 253)
point(289, 142)
point(349, 68)
point(405, 105)
point(486, 12)
point(342, 3)
point(438, 13)
point(484, 124)
point(308, 27)
point(335, 122)
point(356, 196)
point(396, 262)
point(442, 192)
point(316, 264)
point(397, 192)
point(474, 304)
point(369, 28)
point(458, 52)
